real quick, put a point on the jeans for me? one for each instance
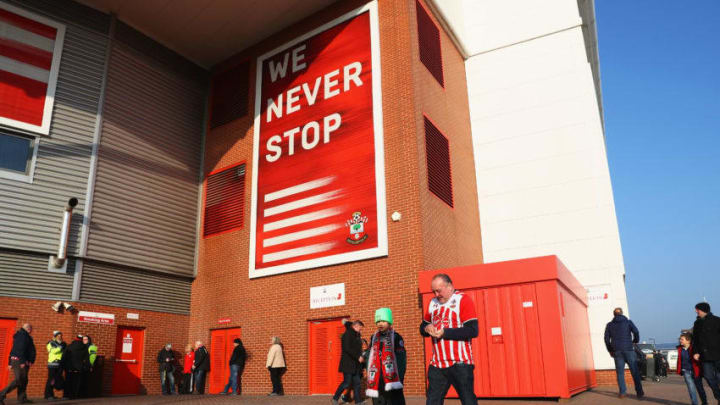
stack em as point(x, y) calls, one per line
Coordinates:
point(459, 376)
point(695, 387)
point(167, 376)
point(711, 372)
point(20, 382)
point(275, 374)
point(200, 381)
point(349, 379)
point(233, 385)
point(630, 358)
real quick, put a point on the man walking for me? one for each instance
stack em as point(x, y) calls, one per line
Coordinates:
point(620, 335)
point(22, 356)
point(350, 360)
point(55, 349)
point(706, 345)
point(451, 322)
point(237, 364)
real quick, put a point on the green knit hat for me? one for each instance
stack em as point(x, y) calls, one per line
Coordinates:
point(384, 314)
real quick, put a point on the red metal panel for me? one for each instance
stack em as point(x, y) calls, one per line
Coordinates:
point(437, 154)
point(534, 338)
point(429, 44)
point(324, 357)
point(218, 364)
point(127, 369)
point(7, 328)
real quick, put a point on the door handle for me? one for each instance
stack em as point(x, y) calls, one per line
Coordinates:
point(330, 346)
point(125, 361)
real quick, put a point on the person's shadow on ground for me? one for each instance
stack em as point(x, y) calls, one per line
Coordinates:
point(645, 398)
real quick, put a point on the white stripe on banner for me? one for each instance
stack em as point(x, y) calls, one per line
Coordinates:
point(305, 202)
point(26, 37)
point(299, 219)
point(308, 233)
point(24, 70)
point(306, 250)
point(298, 189)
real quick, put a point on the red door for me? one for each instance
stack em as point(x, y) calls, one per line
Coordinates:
point(221, 348)
point(324, 357)
point(7, 328)
point(127, 369)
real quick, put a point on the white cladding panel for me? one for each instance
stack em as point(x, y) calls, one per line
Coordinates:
point(542, 172)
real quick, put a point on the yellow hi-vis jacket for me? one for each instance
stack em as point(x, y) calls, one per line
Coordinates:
point(55, 352)
point(92, 350)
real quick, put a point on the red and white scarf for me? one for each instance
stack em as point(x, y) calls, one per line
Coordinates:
point(382, 364)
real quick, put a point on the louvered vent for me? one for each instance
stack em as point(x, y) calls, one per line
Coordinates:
point(437, 150)
point(429, 43)
point(229, 95)
point(224, 200)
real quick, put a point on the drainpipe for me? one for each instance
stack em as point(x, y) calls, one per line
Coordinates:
point(59, 261)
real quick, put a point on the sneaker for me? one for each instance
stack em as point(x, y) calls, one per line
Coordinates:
point(223, 393)
point(621, 396)
point(333, 401)
point(273, 394)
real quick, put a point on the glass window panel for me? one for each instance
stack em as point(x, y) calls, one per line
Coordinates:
point(15, 153)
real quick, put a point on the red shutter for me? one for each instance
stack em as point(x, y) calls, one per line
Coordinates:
point(229, 99)
point(224, 200)
point(7, 327)
point(218, 363)
point(429, 44)
point(437, 150)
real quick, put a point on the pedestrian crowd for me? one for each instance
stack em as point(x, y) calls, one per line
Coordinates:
point(378, 363)
point(69, 366)
point(698, 354)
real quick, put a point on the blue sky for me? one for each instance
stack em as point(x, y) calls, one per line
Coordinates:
point(660, 72)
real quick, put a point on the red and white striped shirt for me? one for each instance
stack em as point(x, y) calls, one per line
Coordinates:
point(452, 314)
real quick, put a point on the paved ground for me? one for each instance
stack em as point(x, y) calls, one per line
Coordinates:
point(671, 391)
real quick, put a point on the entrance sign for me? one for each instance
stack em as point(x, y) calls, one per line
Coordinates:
point(327, 296)
point(96, 317)
point(318, 178)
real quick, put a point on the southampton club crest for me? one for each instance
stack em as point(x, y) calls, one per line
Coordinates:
point(356, 226)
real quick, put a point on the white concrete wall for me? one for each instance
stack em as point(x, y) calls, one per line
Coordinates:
point(542, 172)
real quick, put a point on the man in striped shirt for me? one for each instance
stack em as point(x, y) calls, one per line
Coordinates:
point(451, 322)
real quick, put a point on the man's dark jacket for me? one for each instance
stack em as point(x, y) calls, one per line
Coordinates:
point(202, 359)
point(76, 357)
point(351, 351)
point(23, 347)
point(238, 356)
point(620, 334)
point(166, 365)
point(706, 337)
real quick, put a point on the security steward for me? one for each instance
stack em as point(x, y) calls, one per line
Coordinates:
point(56, 349)
point(22, 356)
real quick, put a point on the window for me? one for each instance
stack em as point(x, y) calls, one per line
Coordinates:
point(224, 200)
point(17, 155)
point(229, 99)
point(437, 151)
point(30, 48)
point(429, 43)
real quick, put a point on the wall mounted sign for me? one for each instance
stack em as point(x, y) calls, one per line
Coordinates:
point(130, 315)
point(223, 321)
point(96, 317)
point(598, 294)
point(318, 173)
point(332, 295)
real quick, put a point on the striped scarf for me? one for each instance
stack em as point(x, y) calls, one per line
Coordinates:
point(382, 362)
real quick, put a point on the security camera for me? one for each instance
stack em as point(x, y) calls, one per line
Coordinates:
point(57, 306)
point(69, 307)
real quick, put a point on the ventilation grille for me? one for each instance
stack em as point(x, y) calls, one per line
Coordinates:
point(224, 200)
point(437, 150)
point(229, 95)
point(429, 43)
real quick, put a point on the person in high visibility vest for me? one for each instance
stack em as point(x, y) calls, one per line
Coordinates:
point(85, 375)
point(55, 349)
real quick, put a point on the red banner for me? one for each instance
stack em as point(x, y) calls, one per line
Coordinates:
point(318, 173)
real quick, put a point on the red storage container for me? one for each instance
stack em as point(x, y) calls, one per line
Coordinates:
point(534, 338)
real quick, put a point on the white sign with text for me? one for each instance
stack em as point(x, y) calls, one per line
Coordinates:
point(327, 296)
